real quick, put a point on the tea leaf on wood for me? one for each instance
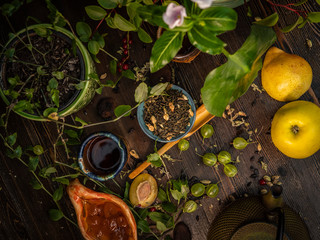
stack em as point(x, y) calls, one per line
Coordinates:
point(93, 47)
point(144, 36)
point(55, 214)
point(162, 196)
point(141, 92)
point(11, 140)
point(122, 109)
point(128, 74)
point(84, 31)
point(57, 195)
point(33, 163)
point(35, 184)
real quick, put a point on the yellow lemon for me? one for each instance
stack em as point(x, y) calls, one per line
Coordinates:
point(295, 129)
point(284, 76)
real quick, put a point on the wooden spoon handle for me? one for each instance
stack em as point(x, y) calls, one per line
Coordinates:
point(202, 117)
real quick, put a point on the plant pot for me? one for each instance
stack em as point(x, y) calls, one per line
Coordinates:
point(99, 148)
point(187, 53)
point(81, 98)
point(145, 129)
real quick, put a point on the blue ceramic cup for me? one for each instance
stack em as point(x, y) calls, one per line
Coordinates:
point(102, 156)
point(154, 137)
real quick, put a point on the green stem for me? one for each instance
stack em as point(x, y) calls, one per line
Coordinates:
point(26, 63)
point(94, 124)
point(225, 52)
point(109, 54)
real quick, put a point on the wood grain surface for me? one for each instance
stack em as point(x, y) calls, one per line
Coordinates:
point(23, 210)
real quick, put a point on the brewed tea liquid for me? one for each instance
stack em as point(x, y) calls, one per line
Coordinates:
point(103, 154)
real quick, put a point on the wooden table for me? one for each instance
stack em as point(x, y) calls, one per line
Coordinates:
point(23, 210)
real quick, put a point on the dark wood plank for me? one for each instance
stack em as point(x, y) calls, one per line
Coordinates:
point(24, 210)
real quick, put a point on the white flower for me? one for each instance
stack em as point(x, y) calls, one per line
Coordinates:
point(174, 15)
point(203, 3)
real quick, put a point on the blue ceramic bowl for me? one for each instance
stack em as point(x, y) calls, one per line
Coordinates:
point(84, 165)
point(154, 137)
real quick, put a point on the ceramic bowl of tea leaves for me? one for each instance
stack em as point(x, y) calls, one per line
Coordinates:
point(167, 117)
point(102, 156)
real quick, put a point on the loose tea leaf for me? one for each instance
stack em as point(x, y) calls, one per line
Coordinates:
point(167, 116)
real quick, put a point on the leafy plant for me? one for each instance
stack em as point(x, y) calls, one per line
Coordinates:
point(202, 24)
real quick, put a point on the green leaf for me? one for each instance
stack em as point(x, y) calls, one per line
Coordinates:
point(53, 83)
point(143, 213)
point(108, 4)
point(303, 23)
point(98, 37)
point(71, 133)
point(99, 90)
point(95, 12)
point(55, 214)
point(314, 17)
point(16, 153)
point(38, 150)
point(126, 191)
point(141, 93)
point(22, 105)
point(80, 85)
point(292, 26)
point(84, 31)
point(55, 96)
point(49, 170)
point(162, 196)
point(93, 47)
point(169, 207)
point(176, 195)
point(57, 195)
point(41, 71)
point(11, 140)
point(165, 49)
point(82, 122)
point(113, 67)
point(48, 111)
point(154, 159)
point(144, 36)
point(110, 22)
point(64, 181)
point(132, 9)
point(123, 24)
point(161, 226)
point(228, 82)
point(128, 74)
point(33, 163)
point(158, 89)
point(300, 3)
point(35, 184)
point(205, 40)
point(10, 52)
point(217, 19)
point(318, 1)
point(122, 109)
point(159, 217)
point(143, 226)
point(269, 21)
point(42, 32)
point(148, 2)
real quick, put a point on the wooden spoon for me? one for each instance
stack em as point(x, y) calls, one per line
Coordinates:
point(202, 117)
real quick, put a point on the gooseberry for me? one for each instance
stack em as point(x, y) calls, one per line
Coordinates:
point(224, 157)
point(212, 190)
point(230, 170)
point(183, 145)
point(239, 143)
point(209, 159)
point(206, 131)
point(198, 189)
point(190, 206)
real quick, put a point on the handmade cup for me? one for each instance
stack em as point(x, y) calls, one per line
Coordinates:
point(102, 156)
point(140, 113)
